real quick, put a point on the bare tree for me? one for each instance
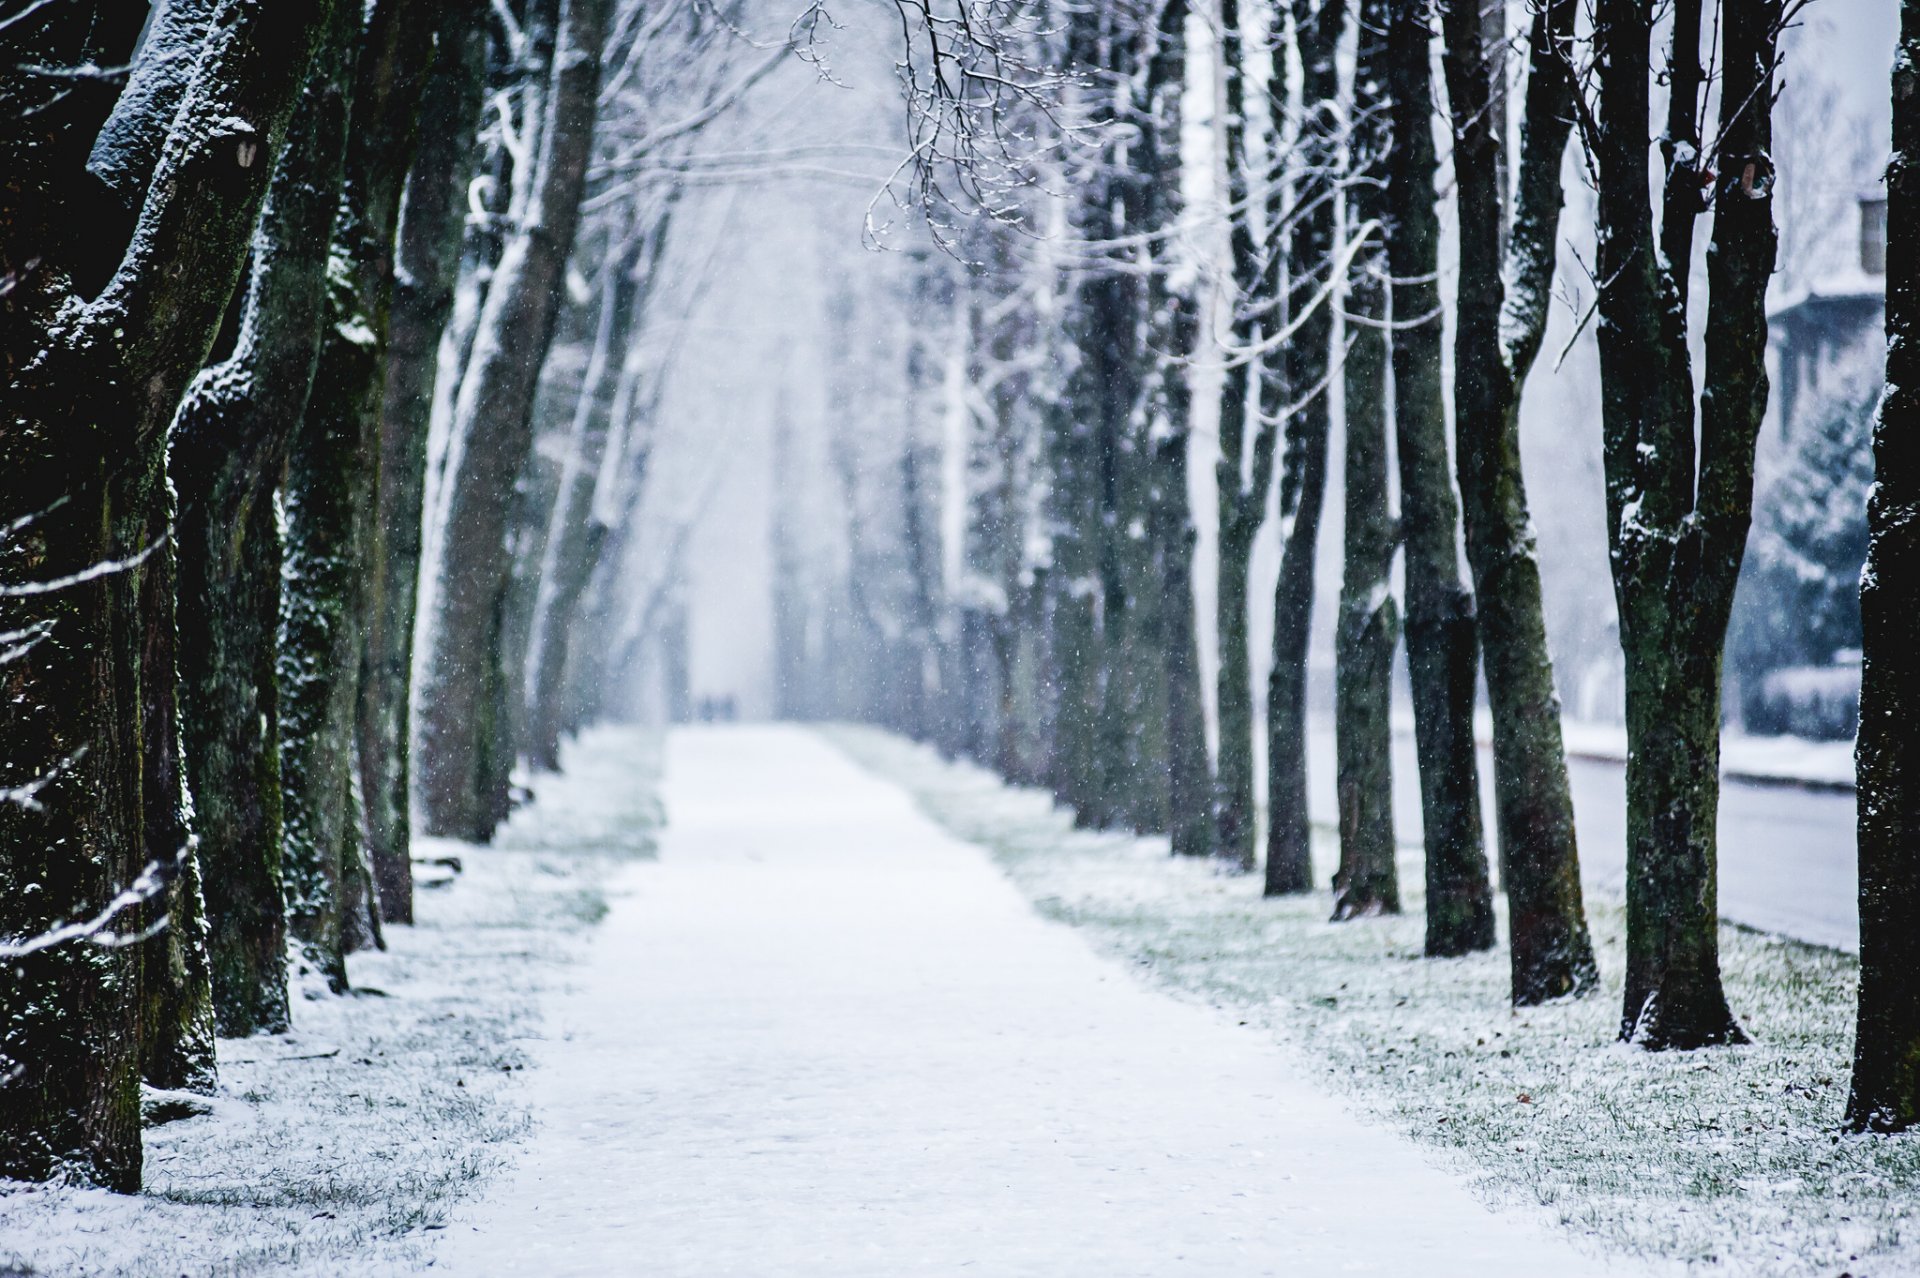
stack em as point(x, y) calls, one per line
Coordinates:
point(1679, 481)
point(1505, 286)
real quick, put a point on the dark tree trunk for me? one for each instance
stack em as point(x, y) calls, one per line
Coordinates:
point(1303, 476)
point(427, 257)
point(333, 561)
point(1242, 474)
point(492, 429)
point(1174, 333)
point(1886, 1061)
point(1679, 504)
point(1499, 335)
point(1368, 881)
point(227, 454)
point(91, 385)
point(1442, 646)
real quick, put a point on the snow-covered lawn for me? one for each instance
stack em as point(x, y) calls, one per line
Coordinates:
point(1728, 1159)
point(341, 1147)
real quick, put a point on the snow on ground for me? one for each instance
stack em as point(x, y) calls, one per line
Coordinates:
point(341, 1147)
point(1727, 1161)
point(821, 1036)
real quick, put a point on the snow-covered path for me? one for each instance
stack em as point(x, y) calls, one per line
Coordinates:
point(820, 1036)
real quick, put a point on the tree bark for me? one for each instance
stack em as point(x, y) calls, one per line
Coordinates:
point(1442, 642)
point(1499, 334)
point(91, 385)
point(1303, 477)
point(574, 534)
point(492, 428)
point(1679, 504)
point(1885, 1095)
point(1367, 882)
point(228, 452)
point(333, 561)
point(426, 261)
point(1243, 472)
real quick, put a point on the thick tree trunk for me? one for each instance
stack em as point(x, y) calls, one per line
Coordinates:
point(426, 260)
point(1303, 478)
point(333, 562)
point(1679, 502)
point(1368, 881)
point(1442, 643)
point(1495, 346)
point(1885, 1095)
point(227, 454)
point(91, 385)
point(492, 428)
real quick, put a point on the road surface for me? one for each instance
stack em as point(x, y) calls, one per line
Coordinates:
point(822, 1037)
point(1786, 854)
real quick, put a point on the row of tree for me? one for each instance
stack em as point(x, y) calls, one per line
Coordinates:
point(1297, 277)
point(277, 288)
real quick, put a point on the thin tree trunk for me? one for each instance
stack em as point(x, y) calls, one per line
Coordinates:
point(1442, 643)
point(1679, 503)
point(228, 452)
point(91, 385)
point(1175, 313)
point(1242, 473)
point(574, 536)
point(1885, 1095)
point(1367, 882)
point(1303, 477)
point(1498, 337)
point(492, 430)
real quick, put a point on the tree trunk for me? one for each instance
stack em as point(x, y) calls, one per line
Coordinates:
point(1495, 346)
point(1368, 881)
point(492, 429)
point(1886, 1063)
point(1679, 502)
point(228, 453)
point(1442, 643)
point(1243, 472)
point(333, 562)
point(1303, 477)
point(91, 385)
point(427, 257)
point(1174, 332)
point(574, 534)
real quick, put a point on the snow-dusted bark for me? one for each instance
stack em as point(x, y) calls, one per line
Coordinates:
point(1442, 645)
point(492, 429)
point(332, 566)
point(1886, 1066)
point(92, 382)
point(575, 536)
point(426, 258)
point(1499, 330)
point(227, 454)
point(1679, 487)
point(1367, 882)
point(1243, 472)
point(1173, 335)
point(1298, 391)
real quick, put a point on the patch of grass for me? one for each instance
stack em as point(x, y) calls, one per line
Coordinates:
point(1728, 1159)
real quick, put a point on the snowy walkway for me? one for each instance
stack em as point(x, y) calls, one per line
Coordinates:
point(820, 1036)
